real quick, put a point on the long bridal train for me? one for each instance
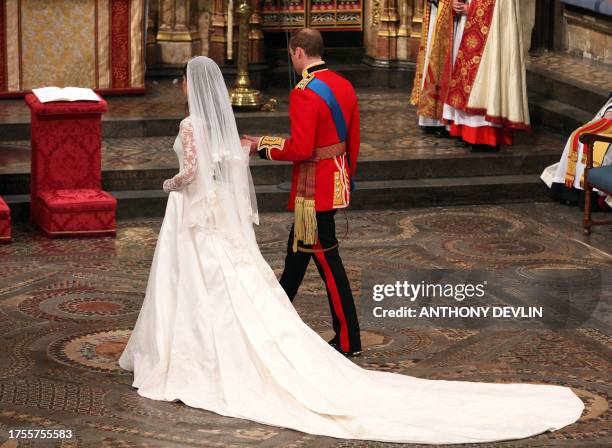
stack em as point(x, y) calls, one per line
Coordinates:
point(217, 332)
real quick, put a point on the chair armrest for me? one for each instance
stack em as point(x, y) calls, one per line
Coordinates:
point(589, 140)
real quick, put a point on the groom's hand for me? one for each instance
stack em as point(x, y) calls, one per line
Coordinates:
point(254, 141)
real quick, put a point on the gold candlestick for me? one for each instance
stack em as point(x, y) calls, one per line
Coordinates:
point(243, 95)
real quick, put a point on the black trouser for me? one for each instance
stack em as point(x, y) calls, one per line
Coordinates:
point(331, 269)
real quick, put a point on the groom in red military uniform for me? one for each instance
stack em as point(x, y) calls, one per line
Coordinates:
point(323, 147)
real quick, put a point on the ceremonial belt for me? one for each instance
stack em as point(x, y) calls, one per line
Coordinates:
point(305, 226)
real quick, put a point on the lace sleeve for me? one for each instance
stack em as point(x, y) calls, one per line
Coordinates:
point(190, 159)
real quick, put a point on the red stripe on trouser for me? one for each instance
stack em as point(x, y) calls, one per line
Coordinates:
point(333, 290)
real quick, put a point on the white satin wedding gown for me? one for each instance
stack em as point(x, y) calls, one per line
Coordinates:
point(217, 332)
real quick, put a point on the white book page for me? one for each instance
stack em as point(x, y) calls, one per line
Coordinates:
point(47, 94)
point(80, 94)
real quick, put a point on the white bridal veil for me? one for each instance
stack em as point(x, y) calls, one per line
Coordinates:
point(222, 195)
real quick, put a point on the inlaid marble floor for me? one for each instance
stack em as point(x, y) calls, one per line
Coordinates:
point(572, 67)
point(388, 130)
point(67, 307)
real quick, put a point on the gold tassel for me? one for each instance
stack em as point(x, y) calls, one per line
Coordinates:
point(298, 224)
point(310, 222)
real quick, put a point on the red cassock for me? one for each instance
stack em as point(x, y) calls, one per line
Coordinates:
point(314, 128)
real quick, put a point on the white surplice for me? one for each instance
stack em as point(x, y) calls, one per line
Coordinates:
point(555, 173)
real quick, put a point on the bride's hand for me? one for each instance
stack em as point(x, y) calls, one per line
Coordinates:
point(245, 143)
point(252, 142)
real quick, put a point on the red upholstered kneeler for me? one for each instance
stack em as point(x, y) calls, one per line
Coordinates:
point(66, 169)
point(5, 222)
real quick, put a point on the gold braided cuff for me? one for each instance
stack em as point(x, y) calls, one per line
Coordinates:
point(267, 143)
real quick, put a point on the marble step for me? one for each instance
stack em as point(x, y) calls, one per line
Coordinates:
point(545, 112)
point(572, 92)
point(247, 122)
point(558, 112)
point(370, 169)
point(555, 115)
point(388, 194)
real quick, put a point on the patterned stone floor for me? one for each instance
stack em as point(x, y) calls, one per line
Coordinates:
point(579, 69)
point(67, 307)
point(384, 136)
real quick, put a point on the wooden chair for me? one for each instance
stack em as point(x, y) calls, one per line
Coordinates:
point(600, 178)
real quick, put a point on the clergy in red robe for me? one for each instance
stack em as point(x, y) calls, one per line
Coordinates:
point(487, 97)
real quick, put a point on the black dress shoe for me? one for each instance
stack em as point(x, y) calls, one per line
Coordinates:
point(484, 148)
point(460, 143)
point(442, 133)
point(351, 354)
point(429, 129)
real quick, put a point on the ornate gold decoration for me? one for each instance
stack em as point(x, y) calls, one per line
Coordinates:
point(404, 29)
point(304, 82)
point(230, 29)
point(243, 95)
point(177, 36)
point(375, 12)
point(270, 105)
point(175, 22)
point(418, 14)
point(270, 142)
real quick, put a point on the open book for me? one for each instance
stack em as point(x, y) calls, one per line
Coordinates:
point(47, 94)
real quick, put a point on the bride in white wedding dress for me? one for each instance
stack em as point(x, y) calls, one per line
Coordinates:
point(217, 332)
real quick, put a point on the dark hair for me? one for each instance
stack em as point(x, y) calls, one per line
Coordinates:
point(309, 40)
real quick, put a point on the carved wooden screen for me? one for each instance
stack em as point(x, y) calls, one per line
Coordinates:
point(326, 15)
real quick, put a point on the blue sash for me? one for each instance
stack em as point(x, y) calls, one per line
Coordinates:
point(327, 95)
point(323, 90)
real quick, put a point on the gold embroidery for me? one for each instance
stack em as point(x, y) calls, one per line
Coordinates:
point(339, 189)
point(418, 76)
point(431, 97)
point(598, 126)
point(268, 143)
point(472, 42)
point(304, 82)
point(314, 64)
